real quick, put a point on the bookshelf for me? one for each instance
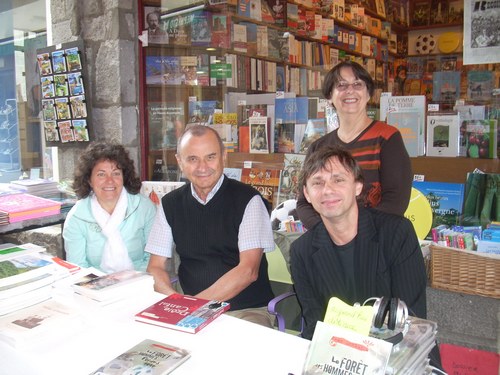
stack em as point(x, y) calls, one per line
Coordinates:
point(250, 65)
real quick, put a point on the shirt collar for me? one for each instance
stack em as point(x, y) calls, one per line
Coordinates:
point(212, 192)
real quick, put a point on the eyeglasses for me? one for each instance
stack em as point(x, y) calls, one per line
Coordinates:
point(357, 86)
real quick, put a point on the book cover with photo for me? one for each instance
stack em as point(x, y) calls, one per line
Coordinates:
point(479, 139)
point(258, 134)
point(221, 30)
point(182, 313)
point(443, 135)
point(285, 137)
point(292, 110)
point(480, 84)
point(163, 70)
point(315, 129)
point(201, 28)
point(43, 322)
point(113, 286)
point(166, 124)
point(23, 268)
point(178, 29)
point(202, 111)
point(446, 200)
point(147, 357)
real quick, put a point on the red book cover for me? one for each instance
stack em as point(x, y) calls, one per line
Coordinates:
point(182, 313)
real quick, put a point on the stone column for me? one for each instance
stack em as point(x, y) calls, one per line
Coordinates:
point(109, 30)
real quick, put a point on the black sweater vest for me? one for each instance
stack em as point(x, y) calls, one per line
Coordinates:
point(206, 239)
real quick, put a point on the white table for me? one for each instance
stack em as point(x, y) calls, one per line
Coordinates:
point(226, 346)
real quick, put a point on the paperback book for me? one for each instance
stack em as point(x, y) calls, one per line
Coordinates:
point(443, 135)
point(114, 286)
point(445, 86)
point(9, 251)
point(265, 181)
point(50, 320)
point(289, 179)
point(147, 357)
point(23, 268)
point(407, 113)
point(478, 139)
point(334, 350)
point(446, 200)
point(25, 206)
point(182, 313)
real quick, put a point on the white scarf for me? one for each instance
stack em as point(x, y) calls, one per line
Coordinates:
point(115, 255)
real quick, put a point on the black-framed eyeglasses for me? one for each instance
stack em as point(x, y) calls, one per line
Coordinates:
point(357, 86)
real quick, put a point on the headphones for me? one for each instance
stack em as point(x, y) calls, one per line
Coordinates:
point(394, 313)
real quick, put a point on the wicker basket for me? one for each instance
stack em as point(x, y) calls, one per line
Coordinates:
point(465, 271)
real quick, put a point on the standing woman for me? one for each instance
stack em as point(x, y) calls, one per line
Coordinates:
point(376, 146)
point(109, 225)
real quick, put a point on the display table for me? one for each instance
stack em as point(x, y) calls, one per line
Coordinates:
point(226, 346)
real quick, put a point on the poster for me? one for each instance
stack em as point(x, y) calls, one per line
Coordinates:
point(481, 37)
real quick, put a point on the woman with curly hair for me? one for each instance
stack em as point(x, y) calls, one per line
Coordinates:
point(376, 146)
point(109, 225)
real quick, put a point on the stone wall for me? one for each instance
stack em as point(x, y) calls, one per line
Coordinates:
point(109, 31)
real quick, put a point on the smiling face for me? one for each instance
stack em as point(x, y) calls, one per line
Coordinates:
point(332, 191)
point(106, 181)
point(352, 100)
point(201, 159)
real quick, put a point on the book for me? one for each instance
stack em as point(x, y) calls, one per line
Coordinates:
point(265, 181)
point(445, 86)
point(258, 134)
point(113, 286)
point(147, 357)
point(315, 129)
point(201, 33)
point(182, 313)
point(407, 113)
point(166, 124)
point(9, 251)
point(289, 179)
point(334, 350)
point(24, 206)
point(480, 84)
point(478, 139)
point(25, 294)
point(446, 200)
point(285, 139)
point(46, 321)
point(443, 135)
point(421, 13)
point(23, 268)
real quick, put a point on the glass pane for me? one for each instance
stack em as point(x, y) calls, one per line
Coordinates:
point(22, 31)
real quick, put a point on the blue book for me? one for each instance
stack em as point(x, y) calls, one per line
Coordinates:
point(292, 110)
point(445, 86)
point(201, 112)
point(446, 200)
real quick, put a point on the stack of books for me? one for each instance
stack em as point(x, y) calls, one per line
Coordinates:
point(26, 277)
point(36, 186)
point(23, 206)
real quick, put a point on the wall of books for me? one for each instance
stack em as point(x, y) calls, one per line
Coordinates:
point(253, 69)
point(65, 110)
